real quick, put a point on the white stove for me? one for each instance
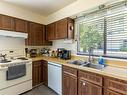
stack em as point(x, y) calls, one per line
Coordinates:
point(18, 85)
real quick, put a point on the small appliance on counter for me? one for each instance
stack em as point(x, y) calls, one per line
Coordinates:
point(44, 51)
point(33, 53)
point(63, 53)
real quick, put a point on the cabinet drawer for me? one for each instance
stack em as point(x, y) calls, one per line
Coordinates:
point(109, 92)
point(70, 70)
point(117, 85)
point(90, 77)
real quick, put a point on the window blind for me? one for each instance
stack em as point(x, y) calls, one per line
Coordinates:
point(116, 28)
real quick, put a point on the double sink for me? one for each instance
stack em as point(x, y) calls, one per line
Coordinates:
point(86, 64)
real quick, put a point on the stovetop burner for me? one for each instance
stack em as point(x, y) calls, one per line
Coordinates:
point(22, 58)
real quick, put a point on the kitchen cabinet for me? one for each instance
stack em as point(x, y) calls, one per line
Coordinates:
point(45, 72)
point(6, 23)
point(109, 92)
point(89, 83)
point(69, 81)
point(115, 85)
point(40, 72)
point(87, 88)
point(37, 73)
point(64, 29)
point(50, 30)
point(36, 35)
point(21, 25)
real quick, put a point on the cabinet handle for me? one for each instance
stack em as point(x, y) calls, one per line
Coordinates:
point(84, 83)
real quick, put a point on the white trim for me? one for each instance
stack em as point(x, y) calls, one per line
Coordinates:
point(13, 34)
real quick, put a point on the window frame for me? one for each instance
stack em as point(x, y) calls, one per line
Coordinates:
point(105, 43)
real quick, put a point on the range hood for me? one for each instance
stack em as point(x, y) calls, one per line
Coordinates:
point(13, 34)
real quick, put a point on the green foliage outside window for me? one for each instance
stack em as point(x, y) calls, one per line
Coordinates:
point(90, 37)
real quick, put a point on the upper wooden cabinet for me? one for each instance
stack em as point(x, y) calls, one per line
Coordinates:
point(62, 29)
point(35, 34)
point(21, 25)
point(6, 23)
point(50, 31)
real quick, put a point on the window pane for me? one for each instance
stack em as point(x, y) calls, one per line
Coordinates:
point(91, 35)
point(117, 35)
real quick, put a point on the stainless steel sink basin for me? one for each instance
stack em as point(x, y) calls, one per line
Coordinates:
point(95, 66)
point(77, 62)
point(86, 64)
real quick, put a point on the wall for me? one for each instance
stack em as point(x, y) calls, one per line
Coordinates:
point(18, 12)
point(12, 44)
point(74, 8)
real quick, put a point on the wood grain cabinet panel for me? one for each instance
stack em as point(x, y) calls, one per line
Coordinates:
point(69, 81)
point(91, 77)
point(45, 72)
point(109, 92)
point(31, 34)
point(38, 35)
point(37, 73)
point(6, 23)
point(64, 29)
point(50, 30)
point(116, 85)
point(86, 88)
point(21, 25)
point(61, 29)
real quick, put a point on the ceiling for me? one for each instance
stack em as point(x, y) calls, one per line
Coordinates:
point(43, 7)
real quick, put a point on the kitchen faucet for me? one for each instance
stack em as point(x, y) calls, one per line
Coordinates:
point(90, 58)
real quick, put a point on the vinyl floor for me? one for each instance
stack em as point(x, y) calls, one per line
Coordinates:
point(41, 90)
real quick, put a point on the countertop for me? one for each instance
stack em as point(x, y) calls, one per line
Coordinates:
point(115, 72)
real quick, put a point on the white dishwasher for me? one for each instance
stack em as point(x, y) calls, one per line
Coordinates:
point(55, 77)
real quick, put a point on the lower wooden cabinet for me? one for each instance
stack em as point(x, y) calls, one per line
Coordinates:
point(45, 72)
point(69, 81)
point(89, 83)
point(39, 73)
point(115, 85)
point(86, 88)
point(109, 92)
point(78, 82)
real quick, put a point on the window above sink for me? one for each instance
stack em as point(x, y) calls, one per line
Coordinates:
point(105, 31)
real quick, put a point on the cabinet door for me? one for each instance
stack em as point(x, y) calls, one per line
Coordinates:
point(37, 73)
point(86, 88)
point(69, 84)
point(116, 85)
point(6, 23)
point(38, 34)
point(50, 30)
point(70, 28)
point(69, 81)
point(21, 25)
point(61, 29)
point(31, 34)
point(109, 92)
point(45, 72)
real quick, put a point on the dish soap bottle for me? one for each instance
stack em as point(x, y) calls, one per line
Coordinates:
point(101, 61)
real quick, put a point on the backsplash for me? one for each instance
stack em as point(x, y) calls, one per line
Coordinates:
point(69, 46)
point(17, 45)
